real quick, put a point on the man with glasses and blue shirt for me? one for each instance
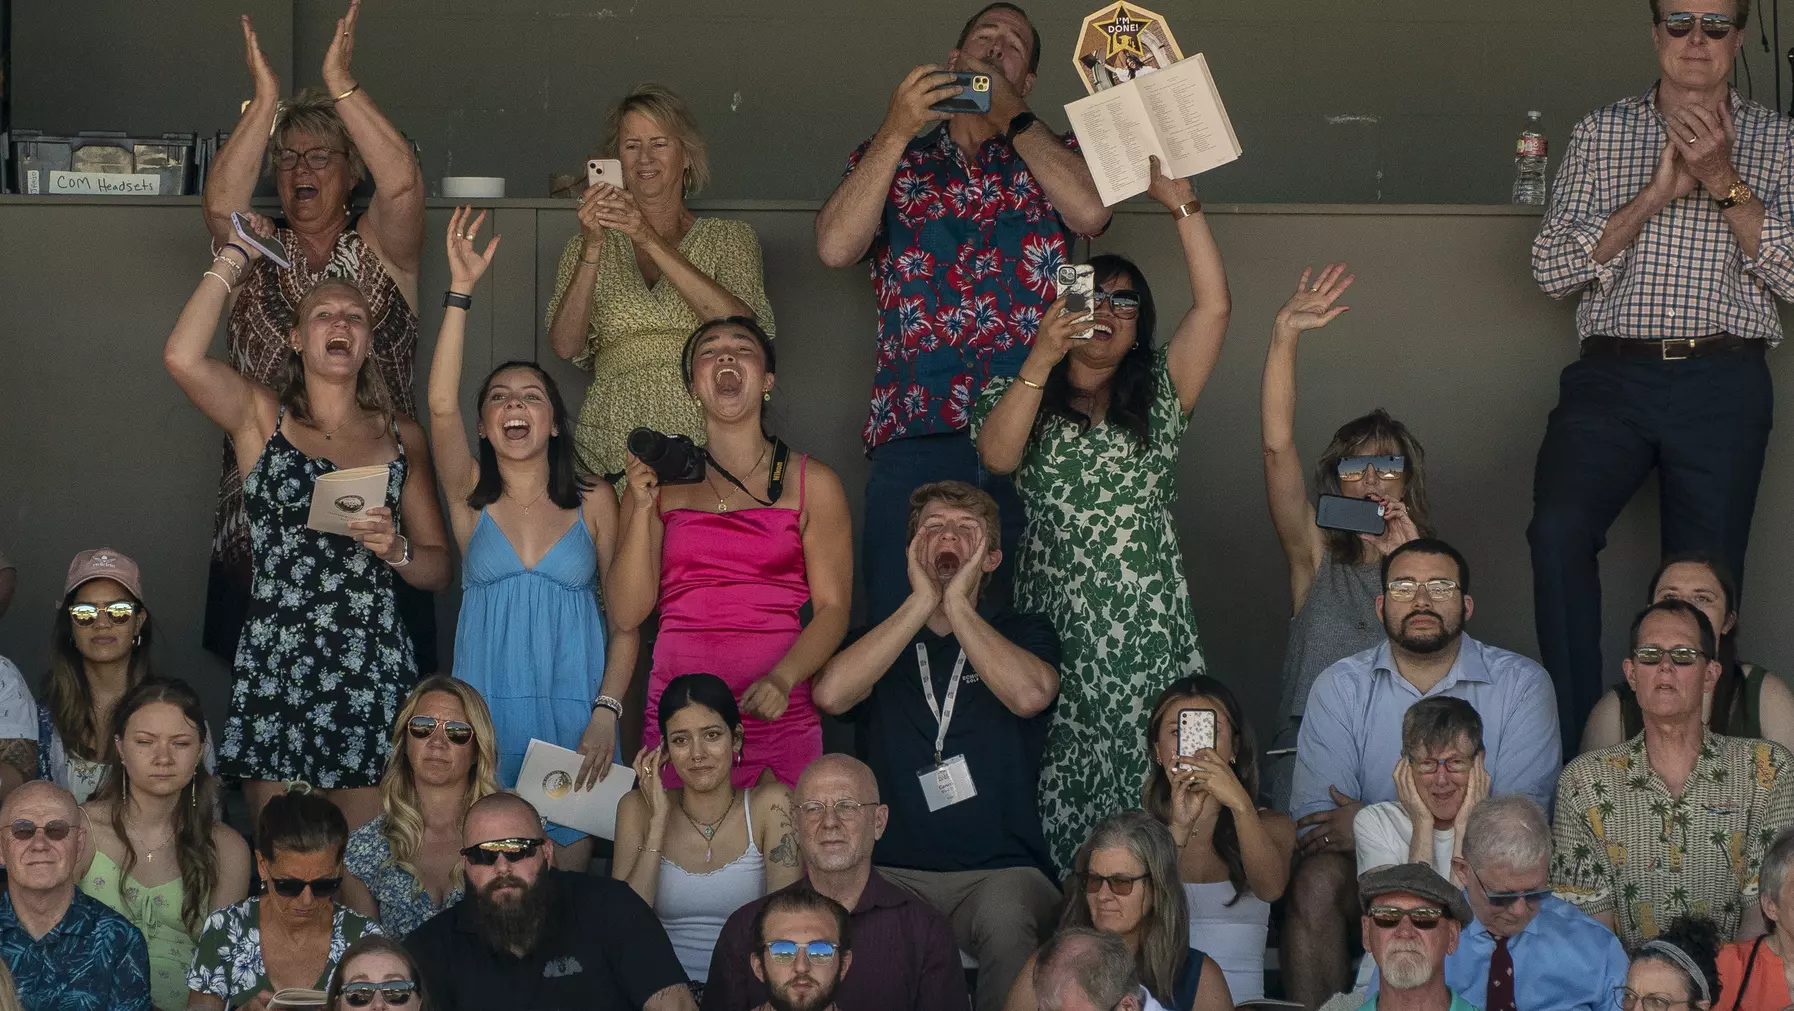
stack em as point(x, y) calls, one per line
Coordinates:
point(1676, 820)
point(1672, 219)
point(803, 947)
point(1351, 741)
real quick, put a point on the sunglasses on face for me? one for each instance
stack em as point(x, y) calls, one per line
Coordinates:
point(1681, 656)
point(1124, 303)
point(786, 951)
point(395, 992)
point(1626, 998)
point(1507, 899)
point(1353, 468)
point(422, 727)
point(119, 611)
point(1713, 26)
point(515, 850)
point(1119, 884)
point(25, 829)
point(317, 158)
point(1407, 589)
point(290, 888)
point(1423, 917)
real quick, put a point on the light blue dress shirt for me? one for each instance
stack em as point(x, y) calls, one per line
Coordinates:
point(1351, 735)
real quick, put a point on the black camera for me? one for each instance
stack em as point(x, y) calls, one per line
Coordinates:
point(675, 458)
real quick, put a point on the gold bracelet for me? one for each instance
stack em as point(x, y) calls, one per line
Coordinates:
point(346, 94)
point(1185, 210)
point(1031, 384)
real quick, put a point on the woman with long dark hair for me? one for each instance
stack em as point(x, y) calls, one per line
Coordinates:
point(1090, 428)
point(157, 852)
point(1233, 856)
point(324, 660)
point(537, 538)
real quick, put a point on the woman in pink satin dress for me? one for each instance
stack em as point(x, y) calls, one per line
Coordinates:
point(731, 561)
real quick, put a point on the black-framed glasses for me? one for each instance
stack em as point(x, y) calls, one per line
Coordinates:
point(317, 159)
point(1531, 897)
point(1423, 917)
point(1120, 884)
point(1681, 656)
point(515, 850)
point(1124, 303)
point(846, 809)
point(1353, 468)
point(1714, 26)
point(787, 951)
point(395, 992)
point(1428, 766)
point(25, 829)
point(421, 727)
point(119, 611)
point(1407, 589)
point(1626, 998)
point(290, 888)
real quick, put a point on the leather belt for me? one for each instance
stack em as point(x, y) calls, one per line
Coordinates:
point(1669, 349)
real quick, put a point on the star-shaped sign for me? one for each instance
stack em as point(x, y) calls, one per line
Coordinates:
point(1123, 30)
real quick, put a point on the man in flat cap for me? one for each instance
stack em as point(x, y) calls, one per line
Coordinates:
point(1411, 921)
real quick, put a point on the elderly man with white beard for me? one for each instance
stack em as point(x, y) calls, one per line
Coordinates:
point(1411, 921)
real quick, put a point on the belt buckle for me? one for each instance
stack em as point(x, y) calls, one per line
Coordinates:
point(1689, 342)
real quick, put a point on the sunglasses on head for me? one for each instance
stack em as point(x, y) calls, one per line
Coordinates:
point(56, 831)
point(1504, 900)
point(421, 727)
point(1713, 26)
point(120, 611)
point(1352, 468)
point(487, 853)
point(321, 888)
point(1681, 656)
point(786, 951)
point(1423, 917)
point(396, 992)
point(1120, 884)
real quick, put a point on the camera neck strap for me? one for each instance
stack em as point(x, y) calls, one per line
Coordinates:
point(775, 478)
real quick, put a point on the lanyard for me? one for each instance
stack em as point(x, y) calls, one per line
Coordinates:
point(943, 712)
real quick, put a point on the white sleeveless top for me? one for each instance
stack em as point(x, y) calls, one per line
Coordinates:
point(692, 907)
point(1234, 936)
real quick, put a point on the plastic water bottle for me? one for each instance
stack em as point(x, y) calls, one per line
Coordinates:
point(1529, 162)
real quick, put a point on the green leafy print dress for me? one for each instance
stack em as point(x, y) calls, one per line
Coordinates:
point(1099, 558)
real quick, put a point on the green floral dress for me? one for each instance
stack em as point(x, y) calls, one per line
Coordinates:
point(1099, 558)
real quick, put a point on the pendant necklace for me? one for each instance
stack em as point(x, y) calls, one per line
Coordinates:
point(330, 435)
point(722, 500)
point(708, 830)
point(532, 502)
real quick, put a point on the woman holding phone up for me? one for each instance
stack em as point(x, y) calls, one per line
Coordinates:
point(1090, 429)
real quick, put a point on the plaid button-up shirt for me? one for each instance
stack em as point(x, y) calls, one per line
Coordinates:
point(1685, 275)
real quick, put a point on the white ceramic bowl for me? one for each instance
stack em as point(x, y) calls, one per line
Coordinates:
point(469, 187)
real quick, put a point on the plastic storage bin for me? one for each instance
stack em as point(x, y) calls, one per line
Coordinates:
point(103, 164)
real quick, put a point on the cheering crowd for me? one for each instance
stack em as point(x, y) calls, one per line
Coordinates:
point(1033, 817)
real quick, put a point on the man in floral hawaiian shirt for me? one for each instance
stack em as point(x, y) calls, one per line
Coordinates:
point(966, 226)
point(1675, 820)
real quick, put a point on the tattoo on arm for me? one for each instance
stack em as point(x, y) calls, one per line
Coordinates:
point(673, 998)
point(21, 755)
point(785, 852)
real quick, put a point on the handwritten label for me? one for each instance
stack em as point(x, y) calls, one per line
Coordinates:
point(106, 184)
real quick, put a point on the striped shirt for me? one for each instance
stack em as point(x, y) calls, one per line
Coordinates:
point(1685, 275)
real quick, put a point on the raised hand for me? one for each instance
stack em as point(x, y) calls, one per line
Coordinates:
point(1005, 102)
point(1475, 793)
point(616, 208)
point(1190, 802)
point(1216, 776)
point(267, 84)
point(1703, 138)
point(647, 780)
point(1311, 307)
point(1172, 193)
point(591, 230)
point(1407, 791)
point(1057, 332)
point(337, 75)
point(643, 482)
point(910, 103)
point(921, 580)
point(971, 570)
point(465, 264)
point(1398, 527)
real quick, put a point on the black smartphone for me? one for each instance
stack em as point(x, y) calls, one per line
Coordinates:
point(1360, 515)
point(974, 93)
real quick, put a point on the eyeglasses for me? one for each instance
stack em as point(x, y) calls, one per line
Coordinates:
point(1507, 899)
point(1627, 998)
point(1120, 884)
point(1651, 656)
point(787, 951)
point(396, 992)
point(1713, 26)
point(1428, 766)
point(1388, 917)
point(1124, 303)
point(1436, 589)
point(321, 888)
point(120, 611)
point(25, 829)
point(1353, 468)
point(844, 809)
point(515, 850)
point(422, 727)
point(317, 158)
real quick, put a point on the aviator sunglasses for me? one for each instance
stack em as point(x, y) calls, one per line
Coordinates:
point(120, 611)
point(421, 727)
point(1714, 26)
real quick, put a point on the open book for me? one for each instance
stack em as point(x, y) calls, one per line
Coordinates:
point(547, 782)
point(344, 495)
point(294, 998)
point(1174, 113)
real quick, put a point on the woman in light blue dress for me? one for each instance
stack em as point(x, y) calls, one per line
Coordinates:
point(536, 537)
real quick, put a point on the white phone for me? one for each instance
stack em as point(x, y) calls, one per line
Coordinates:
point(1077, 285)
point(604, 170)
point(269, 247)
point(1195, 731)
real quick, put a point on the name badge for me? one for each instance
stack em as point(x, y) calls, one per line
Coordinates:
point(948, 783)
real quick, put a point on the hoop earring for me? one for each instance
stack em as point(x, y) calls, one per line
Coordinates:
point(138, 641)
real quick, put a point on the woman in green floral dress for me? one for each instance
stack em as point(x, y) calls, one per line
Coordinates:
point(1090, 428)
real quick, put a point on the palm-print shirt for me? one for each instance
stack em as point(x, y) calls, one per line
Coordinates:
point(1625, 845)
point(94, 960)
point(963, 264)
point(228, 965)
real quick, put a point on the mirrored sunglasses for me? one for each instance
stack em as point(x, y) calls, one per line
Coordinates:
point(1353, 468)
point(421, 727)
point(119, 611)
point(395, 992)
point(1714, 26)
point(1681, 656)
point(1123, 302)
point(786, 951)
point(487, 853)
point(1423, 917)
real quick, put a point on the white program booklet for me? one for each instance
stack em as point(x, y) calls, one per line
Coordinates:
point(295, 998)
point(547, 782)
point(1175, 113)
point(344, 495)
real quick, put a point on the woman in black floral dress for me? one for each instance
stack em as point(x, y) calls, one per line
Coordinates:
point(324, 662)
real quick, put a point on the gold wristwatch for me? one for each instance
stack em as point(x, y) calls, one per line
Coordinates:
point(1738, 194)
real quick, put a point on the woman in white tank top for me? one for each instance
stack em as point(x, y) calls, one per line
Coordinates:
point(699, 852)
point(1233, 857)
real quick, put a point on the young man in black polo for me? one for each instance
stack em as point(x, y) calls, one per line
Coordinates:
point(529, 936)
point(958, 761)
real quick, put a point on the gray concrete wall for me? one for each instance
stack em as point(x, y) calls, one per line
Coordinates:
point(1447, 331)
point(1334, 100)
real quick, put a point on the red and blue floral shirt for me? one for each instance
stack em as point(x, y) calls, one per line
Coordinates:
point(963, 265)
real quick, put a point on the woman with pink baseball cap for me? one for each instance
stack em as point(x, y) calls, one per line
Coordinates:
point(100, 648)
